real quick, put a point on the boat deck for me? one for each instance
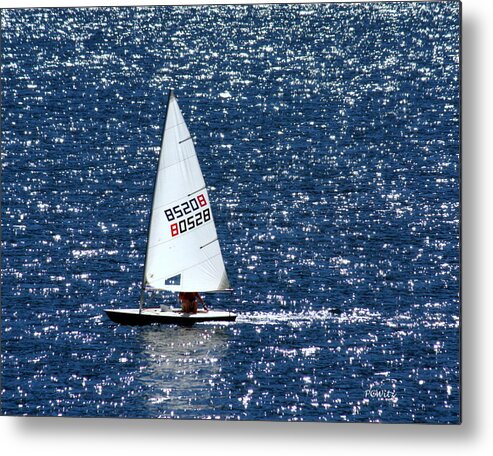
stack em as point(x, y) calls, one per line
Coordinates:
point(171, 316)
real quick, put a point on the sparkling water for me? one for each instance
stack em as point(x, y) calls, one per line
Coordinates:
point(328, 136)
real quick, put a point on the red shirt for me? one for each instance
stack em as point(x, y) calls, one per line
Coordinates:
point(189, 296)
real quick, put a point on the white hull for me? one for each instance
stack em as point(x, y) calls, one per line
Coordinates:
point(171, 316)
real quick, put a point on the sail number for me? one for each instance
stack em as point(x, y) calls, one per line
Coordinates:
point(194, 207)
point(190, 222)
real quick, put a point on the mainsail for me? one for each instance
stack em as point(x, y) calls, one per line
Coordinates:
point(183, 252)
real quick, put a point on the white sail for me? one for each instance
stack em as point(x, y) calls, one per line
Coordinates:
point(183, 252)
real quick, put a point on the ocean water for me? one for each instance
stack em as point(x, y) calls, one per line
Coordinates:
point(328, 136)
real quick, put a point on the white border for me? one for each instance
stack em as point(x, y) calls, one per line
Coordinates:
point(52, 436)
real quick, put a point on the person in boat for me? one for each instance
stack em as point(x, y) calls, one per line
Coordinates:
point(189, 302)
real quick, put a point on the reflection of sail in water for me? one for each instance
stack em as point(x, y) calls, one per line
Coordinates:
point(184, 365)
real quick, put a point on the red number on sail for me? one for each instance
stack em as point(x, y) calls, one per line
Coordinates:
point(174, 229)
point(201, 200)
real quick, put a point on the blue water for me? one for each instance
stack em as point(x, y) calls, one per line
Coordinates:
point(329, 138)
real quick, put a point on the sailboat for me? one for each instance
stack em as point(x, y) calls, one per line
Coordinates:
point(183, 252)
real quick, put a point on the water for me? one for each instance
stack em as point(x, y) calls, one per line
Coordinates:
point(329, 138)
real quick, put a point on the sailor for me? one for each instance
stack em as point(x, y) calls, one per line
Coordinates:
point(189, 302)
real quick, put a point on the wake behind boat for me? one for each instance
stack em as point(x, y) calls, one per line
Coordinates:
point(183, 252)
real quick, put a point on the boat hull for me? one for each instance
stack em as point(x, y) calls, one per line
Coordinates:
point(173, 316)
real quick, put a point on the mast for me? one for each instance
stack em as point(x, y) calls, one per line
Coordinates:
point(142, 291)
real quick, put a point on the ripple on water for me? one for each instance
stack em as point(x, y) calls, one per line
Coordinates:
point(328, 136)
